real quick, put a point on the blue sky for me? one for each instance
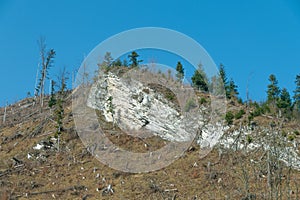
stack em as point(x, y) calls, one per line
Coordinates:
point(251, 38)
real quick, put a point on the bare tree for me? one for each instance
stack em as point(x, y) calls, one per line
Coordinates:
point(46, 63)
point(4, 116)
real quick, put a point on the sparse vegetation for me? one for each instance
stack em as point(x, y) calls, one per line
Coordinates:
point(180, 71)
point(239, 114)
point(234, 172)
point(229, 118)
point(190, 104)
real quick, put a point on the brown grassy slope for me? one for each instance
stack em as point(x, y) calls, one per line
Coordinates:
point(72, 173)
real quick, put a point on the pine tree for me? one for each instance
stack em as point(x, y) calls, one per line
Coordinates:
point(105, 64)
point(133, 58)
point(199, 79)
point(296, 96)
point(284, 102)
point(52, 100)
point(285, 99)
point(59, 107)
point(117, 63)
point(224, 80)
point(107, 61)
point(216, 86)
point(223, 74)
point(273, 90)
point(180, 71)
point(232, 89)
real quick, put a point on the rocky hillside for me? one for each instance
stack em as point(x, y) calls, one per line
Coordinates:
point(257, 159)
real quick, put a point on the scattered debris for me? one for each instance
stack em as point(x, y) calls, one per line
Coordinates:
point(107, 190)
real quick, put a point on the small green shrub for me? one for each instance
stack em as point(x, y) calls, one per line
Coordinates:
point(170, 96)
point(202, 101)
point(240, 100)
point(229, 118)
point(249, 139)
point(296, 132)
point(283, 133)
point(240, 114)
point(250, 118)
point(291, 137)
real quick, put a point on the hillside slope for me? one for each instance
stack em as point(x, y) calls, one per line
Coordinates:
point(247, 163)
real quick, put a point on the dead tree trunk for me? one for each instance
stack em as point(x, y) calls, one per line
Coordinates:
point(4, 116)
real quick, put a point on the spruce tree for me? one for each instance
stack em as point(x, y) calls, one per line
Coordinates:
point(52, 100)
point(224, 80)
point(284, 102)
point(117, 63)
point(296, 96)
point(107, 59)
point(273, 90)
point(223, 75)
point(232, 91)
point(285, 99)
point(133, 58)
point(180, 71)
point(199, 79)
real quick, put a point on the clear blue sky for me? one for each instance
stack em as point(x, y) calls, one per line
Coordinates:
point(251, 38)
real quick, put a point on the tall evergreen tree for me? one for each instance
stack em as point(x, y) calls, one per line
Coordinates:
point(224, 80)
point(223, 75)
point(285, 102)
point(133, 58)
point(105, 64)
point(273, 90)
point(117, 63)
point(232, 90)
point(61, 95)
point(52, 100)
point(199, 79)
point(108, 59)
point(296, 96)
point(180, 71)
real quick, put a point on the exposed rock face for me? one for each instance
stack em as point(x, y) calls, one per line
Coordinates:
point(133, 107)
point(140, 111)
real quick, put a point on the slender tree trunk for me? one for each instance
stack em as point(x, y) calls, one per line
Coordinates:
point(269, 175)
point(4, 116)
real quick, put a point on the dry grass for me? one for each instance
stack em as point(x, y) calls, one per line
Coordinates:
point(73, 173)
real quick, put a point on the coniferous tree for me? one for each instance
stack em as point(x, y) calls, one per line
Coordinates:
point(117, 63)
point(105, 64)
point(232, 90)
point(223, 75)
point(180, 71)
point(133, 58)
point(199, 79)
point(285, 99)
point(59, 106)
point(273, 90)
point(284, 102)
point(52, 100)
point(108, 59)
point(224, 80)
point(296, 96)
point(216, 86)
